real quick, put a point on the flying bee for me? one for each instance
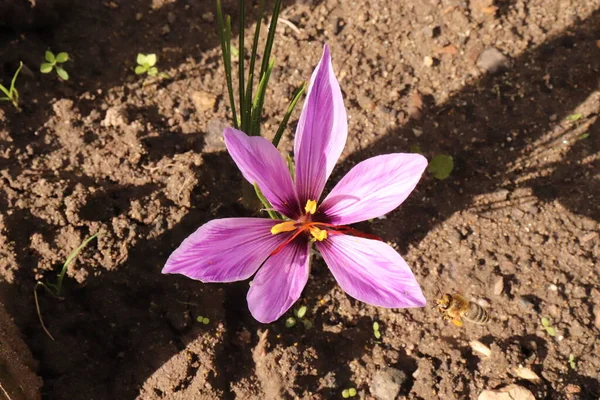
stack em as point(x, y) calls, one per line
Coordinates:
point(455, 307)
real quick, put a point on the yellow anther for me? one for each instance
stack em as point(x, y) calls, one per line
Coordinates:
point(286, 226)
point(318, 234)
point(311, 206)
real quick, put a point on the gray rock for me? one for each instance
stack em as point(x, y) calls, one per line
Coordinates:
point(213, 140)
point(492, 61)
point(387, 383)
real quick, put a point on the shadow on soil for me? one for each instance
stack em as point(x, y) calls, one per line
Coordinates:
point(118, 329)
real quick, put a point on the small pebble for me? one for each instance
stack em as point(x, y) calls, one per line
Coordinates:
point(427, 61)
point(492, 61)
point(510, 392)
point(527, 374)
point(208, 17)
point(480, 348)
point(553, 287)
point(498, 286)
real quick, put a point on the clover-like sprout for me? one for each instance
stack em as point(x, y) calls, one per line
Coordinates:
point(376, 331)
point(202, 320)
point(550, 330)
point(146, 64)
point(572, 362)
point(53, 62)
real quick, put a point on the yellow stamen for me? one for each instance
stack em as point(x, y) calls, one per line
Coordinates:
point(286, 226)
point(311, 206)
point(318, 234)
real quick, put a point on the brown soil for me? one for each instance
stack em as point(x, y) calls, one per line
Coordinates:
point(515, 227)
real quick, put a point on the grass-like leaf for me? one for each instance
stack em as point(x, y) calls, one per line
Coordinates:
point(288, 113)
point(55, 289)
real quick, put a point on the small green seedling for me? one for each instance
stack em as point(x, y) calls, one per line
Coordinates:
point(441, 166)
point(11, 93)
point(299, 313)
point(376, 331)
point(550, 330)
point(54, 62)
point(572, 362)
point(346, 393)
point(584, 135)
point(146, 64)
point(202, 320)
point(55, 289)
point(574, 117)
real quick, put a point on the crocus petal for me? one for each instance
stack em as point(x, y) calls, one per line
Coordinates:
point(261, 163)
point(371, 271)
point(225, 250)
point(279, 283)
point(373, 188)
point(321, 132)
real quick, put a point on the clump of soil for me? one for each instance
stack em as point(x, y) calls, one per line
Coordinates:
point(18, 379)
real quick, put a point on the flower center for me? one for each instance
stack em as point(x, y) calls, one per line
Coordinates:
point(318, 231)
point(303, 224)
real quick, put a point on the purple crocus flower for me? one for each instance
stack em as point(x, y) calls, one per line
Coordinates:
point(234, 249)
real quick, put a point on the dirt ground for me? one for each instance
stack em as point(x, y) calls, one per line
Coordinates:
point(508, 88)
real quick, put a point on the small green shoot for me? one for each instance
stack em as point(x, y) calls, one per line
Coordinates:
point(202, 320)
point(11, 93)
point(550, 330)
point(441, 166)
point(574, 117)
point(55, 289)
point(572, 362)
point(300, 313)
point(147, 65)
point(376, 331)
point(53, 62)
point(584, 135)
point(346, 393)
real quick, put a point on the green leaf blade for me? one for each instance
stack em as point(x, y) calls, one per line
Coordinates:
point(62, 57)
point(141, 59)
point(49, 56)
point(301, 312)
point(441, 166)
point(62, 73)
point(46, 68)
point(139, 70)
point(151, 60)
point(290, 322)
